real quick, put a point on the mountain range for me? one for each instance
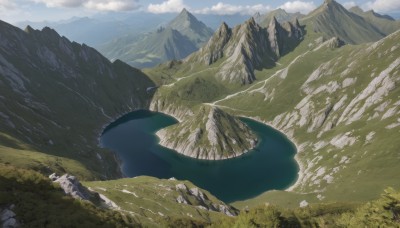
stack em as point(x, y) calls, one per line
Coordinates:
point(327, 80)
point(179, 38)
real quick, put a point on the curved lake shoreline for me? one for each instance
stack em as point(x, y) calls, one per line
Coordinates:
point(270, 166)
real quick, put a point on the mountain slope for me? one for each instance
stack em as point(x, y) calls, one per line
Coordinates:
point(193, 29)
point(181, 37)
point(383, 23)
point(333, 20)
point(343, 114)
point(211, 134)
point(339, 103)
point(101, 28)
point(246, 48)
point(54, 97)
point(152, 48)
point(280, 15)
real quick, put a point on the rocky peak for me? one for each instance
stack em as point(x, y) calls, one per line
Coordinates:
point(251, 22)
point(188, 25)
point(274, 29)
point(185, 15)
point(29, 29)
point(296, 23)
point(212, 135)
point(247, 47)
point(223, 30)
point(213, 50)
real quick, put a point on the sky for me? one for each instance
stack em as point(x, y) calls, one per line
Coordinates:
point(53, 10)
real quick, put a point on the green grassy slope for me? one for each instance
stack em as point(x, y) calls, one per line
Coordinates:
point(180, 37)
point(39, 203)
point(332, 19)
point(151, 200)
point(384, 23)
point(55, 96)
point(339, 104)
point(341, 108)
point(151, 48)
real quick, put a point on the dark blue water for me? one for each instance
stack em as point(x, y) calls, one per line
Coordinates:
point(270, 166)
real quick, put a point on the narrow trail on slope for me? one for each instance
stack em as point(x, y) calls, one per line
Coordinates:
point(264, 82)
point(189, 76)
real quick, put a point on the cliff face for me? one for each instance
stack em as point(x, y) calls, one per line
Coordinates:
point(211, 134)
point(56, 94)
point(247, 47)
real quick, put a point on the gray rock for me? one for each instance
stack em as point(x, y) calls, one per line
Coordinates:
point(10, 223)
point(181, 187)
point(7, 214)
point(198, 194)
point(53, 177)
point(225, 209)
point(73, 187)
point(181, 199)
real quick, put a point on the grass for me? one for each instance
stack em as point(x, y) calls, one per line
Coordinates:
point(287, 93)
point(151, 200)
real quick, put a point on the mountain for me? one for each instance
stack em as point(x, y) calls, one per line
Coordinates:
point(189, 26)
point(280, 15)
point(100, 29)
point(226, 136)
point(333, 20)
point(246, 48)
point(338, 103)
point(151, 48)
point(54, 97)
point(383, 23)
point(179, 38)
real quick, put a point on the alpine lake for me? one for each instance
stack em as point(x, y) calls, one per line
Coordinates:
point(271, 165)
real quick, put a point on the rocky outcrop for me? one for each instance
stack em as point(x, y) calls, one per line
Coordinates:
point(246, 48)
point(72, 186)
point(8, 217)
point(198, 198)
point(211, 134)
point(214, 49)
point(161, 104)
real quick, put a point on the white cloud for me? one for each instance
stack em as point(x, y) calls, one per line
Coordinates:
point(348, 5)
point(298, 6)
point(383, 5)
point(103, 5)
point(228, 9)
point(113, 5)
point(7, 4)
point(168, 6)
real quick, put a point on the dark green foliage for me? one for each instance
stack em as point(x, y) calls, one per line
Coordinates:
point(178, 222)
point(384, 212)
point(39, 203)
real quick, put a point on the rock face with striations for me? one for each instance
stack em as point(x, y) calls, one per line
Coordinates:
point(198, 198)
point(211, 134)
point(72, 186)
point(246, 48)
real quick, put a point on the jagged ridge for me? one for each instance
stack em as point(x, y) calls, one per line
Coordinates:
point(246, 48)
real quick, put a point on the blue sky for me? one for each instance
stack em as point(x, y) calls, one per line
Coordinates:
point(39, 10)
